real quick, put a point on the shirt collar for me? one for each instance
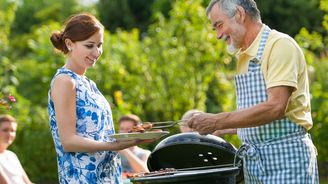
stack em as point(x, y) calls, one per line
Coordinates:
point(253, 48)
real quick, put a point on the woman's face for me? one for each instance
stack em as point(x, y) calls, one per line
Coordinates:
point(85, 53)
point(7, 133)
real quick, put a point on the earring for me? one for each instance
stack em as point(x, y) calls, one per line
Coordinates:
point(69, 49)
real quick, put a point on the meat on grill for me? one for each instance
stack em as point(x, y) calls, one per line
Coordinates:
point(141, 127)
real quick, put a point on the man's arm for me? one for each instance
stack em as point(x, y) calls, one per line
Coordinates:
point(272, 109)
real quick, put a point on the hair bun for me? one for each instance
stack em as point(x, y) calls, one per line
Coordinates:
point(57, 41)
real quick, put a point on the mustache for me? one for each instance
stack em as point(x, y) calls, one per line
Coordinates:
point(224, 37)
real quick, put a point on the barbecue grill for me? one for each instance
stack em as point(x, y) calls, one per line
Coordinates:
point(196, 159)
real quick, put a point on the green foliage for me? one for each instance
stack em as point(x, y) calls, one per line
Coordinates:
point(285, 16)
point(125, 14)
point(32, 13)
point(7, 78)
point(324, 7)
point(168, 72)
point(7, 16)
point(290, 16)
point(42, 60)
point(178, 65)
point(320, 106)
point(315, 48)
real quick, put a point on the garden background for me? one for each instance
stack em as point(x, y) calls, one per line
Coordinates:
point(161, 58)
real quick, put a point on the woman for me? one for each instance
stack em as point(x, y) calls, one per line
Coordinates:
point(80, 116)
point(11, 170)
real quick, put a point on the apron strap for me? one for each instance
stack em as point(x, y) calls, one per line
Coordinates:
point(264, 38)
point(254, 63)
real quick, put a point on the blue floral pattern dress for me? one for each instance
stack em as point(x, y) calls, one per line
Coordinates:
point(93, 121)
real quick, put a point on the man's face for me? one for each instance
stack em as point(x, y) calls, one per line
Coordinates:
point(227, 28)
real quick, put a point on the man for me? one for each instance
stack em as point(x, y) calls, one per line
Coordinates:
point(273, 101)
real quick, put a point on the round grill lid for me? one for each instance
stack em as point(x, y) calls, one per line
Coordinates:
point(188, 150)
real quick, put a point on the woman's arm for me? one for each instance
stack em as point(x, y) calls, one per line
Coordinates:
point(63, 94)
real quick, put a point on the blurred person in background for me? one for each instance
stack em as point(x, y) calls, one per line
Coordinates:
point(187, 115)
point(11, 170)
point(273, 100)
point(80, 116)
point(134, 159)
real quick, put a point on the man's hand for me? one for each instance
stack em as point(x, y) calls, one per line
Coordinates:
point(203, 123)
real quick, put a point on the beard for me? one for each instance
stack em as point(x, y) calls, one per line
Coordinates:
point(232, 49)
point(236, 36)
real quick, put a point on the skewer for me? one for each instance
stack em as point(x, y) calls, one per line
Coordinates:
point(167, 124)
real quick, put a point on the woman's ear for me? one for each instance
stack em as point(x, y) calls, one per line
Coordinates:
point(68, 44)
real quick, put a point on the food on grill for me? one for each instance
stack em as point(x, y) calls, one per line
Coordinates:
point(147, 126)
point(141, 127)
point(153, 173)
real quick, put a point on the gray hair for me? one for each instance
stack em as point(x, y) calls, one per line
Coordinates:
point(187, 115)
point(230, 7)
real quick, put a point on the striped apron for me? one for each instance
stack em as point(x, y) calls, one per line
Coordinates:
point(278, 152)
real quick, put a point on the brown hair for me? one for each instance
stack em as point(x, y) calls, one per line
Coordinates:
point(78, 28)
point(131, 117)
point(7, 118)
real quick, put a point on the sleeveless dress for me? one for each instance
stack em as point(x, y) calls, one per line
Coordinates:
point(93, 121)
point(275, 153)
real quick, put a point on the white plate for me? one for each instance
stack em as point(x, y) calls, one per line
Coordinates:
point(137, 135)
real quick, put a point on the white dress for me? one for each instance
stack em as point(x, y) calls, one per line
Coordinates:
point(10, 164)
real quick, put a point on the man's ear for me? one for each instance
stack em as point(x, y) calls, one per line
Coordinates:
point(240, 14)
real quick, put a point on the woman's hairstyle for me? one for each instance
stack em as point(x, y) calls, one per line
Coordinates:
point(78, 28)
point(131, 117)
point(230, 7)
point(7, 118)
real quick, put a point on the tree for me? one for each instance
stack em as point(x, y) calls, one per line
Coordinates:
point(291, 16)
point(176, 66)
point(33, 13)
point(7, 17)
point(125, 14)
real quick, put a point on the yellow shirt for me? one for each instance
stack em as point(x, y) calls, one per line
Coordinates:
point(283, 64)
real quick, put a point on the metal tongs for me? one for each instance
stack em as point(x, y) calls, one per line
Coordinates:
point(167, 124)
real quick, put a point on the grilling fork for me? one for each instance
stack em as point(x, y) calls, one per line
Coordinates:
point(167, 124)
